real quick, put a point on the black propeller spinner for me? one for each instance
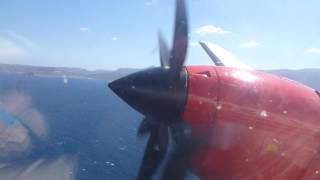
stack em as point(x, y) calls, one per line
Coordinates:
point(160, 94)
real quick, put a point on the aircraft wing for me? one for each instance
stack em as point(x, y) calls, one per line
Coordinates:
point(222, 57)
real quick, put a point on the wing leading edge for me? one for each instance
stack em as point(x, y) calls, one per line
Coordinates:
point(222, 57)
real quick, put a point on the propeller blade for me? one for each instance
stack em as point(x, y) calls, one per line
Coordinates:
point(180, 40)
point(178, 164)
point(154, 153)
point(164, 52)
point(144, 127)
point(179, 161)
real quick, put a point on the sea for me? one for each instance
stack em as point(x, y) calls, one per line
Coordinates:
point(85, 121)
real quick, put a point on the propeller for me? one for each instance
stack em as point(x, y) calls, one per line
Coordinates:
point(164, 52)
point(155, 150)
point(160, 94)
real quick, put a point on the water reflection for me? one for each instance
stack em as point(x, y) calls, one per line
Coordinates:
point(23, 131)
point(21, 106)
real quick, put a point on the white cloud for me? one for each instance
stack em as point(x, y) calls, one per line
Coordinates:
point(10, 49)
point(210, 29)
point(114, 38)
point(313, 50)
point(84, 29)
point(250, 44)
point(152, 2)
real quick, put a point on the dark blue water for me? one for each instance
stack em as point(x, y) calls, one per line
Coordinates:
point(86, 120)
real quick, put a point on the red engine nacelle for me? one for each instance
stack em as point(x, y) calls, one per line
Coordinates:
point(259, 126)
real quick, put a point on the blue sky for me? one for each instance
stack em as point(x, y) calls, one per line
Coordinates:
point(100, 34)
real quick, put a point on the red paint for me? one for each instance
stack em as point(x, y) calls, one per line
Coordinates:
point(260, 126)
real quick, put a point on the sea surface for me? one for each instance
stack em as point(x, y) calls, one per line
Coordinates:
point(79, 129)
point(86, 121)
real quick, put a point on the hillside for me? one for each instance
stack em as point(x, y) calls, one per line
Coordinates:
point(310, 77)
